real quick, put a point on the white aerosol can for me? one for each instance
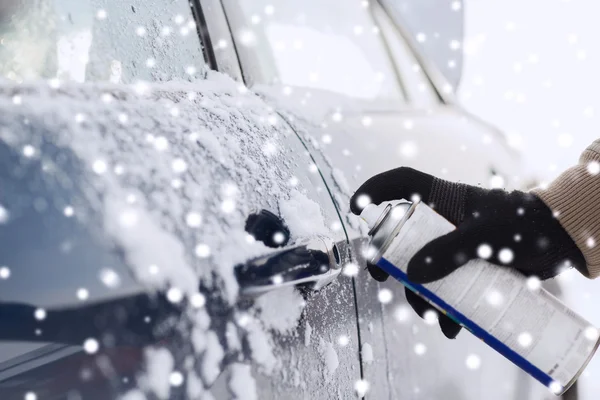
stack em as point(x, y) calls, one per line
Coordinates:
point(508, 311)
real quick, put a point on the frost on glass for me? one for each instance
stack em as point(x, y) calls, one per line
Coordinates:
point(99, 40)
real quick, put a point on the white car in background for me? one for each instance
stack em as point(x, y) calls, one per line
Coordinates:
point(132, 176)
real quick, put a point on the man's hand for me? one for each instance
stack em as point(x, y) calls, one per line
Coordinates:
point(512, 229)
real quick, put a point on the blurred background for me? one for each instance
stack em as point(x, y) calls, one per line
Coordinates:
point(531, 68)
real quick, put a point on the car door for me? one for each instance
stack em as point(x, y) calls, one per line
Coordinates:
point(137, 170)
point(369, 114)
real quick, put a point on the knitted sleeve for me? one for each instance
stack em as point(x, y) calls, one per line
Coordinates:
point(575, 198)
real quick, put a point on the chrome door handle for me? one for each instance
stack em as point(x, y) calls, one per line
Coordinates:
point(313, 264)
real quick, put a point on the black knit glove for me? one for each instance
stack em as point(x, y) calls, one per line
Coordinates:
point(518, 227)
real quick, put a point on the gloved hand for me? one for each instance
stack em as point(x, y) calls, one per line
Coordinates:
point(520, 229)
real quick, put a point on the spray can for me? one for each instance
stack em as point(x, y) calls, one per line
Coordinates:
point(509, 312)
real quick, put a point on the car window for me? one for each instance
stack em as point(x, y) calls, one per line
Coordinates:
point(99, 40)
point(299, 44)
point(419, 88)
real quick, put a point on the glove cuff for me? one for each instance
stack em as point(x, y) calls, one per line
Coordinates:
point(449, 199)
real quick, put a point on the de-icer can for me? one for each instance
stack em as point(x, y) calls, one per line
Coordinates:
point(508, 311)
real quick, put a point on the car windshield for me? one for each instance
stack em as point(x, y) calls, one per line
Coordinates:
point(98, 40)
point(298, 44)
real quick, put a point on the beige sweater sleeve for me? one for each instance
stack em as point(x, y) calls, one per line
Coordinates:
point(575, 197)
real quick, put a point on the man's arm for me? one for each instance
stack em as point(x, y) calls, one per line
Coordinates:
point(574, 197)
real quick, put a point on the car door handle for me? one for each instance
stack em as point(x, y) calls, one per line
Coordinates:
point(312, 264)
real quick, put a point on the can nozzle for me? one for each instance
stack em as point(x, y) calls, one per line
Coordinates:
point(371, 214)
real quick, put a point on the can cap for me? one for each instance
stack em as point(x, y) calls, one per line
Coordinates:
point(371, 213)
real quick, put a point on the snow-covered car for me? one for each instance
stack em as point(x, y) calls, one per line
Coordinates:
point(174, 189)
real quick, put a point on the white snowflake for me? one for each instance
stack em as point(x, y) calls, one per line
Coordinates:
point(101, 14)
point(68, 211)
point(343, 340)
point(420, 349)
point(525, 339)
point(91, 346)
point(176, 378)
point(533, 283)
point(350, 269)
point(193, 219)
point(506, 256)
point(28, 151)
point(385, 295)
point(202, 250)
point(484, 251)
point(174, 295)
point(4, 272)
point(99, 167)
point(40, 314)
point(197, 300)
point(361, 387)
point(83, 294)
point(473, 361)
point(402, 313)
point(593, 167)
point(109, 278)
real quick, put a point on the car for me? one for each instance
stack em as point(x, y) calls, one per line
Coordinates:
point(174, 202)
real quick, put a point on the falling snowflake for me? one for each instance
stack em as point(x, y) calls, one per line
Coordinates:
point(430, 317)
point(197, 300)
point(533, 283)
point(484, 251)
point(3, 215)
point(420, 349)
point(506, 256)
point(494, 297)
point(179, 166)
point(247, 37)
point(202, 250)
point(30, 396)
point(101, 14)
point(593, 167)
point(277, 279)
point(68, 211)
point(278, 237)
point(193, 219)
point(40, 314)
point(91, 346)
point(497, 182)
point(337, 116)
point(176, 378)
point(517, 237)
point(421, 37)
point(473, 361)
point(17, 99)
point(99, 167)
point(83, 294)
point(555, 387)
point(326, 139)
point(109, 278)
point(174, 295)
point(28, 151)
point(4, 272)
point(366, 120)
point(350, 269)
point(402, 313)
point(591, 333)
point(525, 339)
point(361, 387)
point(228, 206)
point(385, 295)
point(409, 149)
point(161, 143)
point(343, 340)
